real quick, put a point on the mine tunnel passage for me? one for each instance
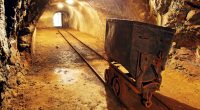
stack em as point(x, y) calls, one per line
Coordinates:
point(60, 78)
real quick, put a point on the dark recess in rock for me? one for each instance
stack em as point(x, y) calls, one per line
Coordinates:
point(194, 5)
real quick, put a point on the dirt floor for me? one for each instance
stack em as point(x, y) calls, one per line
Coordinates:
point(61, 80)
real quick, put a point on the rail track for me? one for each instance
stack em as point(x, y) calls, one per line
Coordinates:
point(101, 76)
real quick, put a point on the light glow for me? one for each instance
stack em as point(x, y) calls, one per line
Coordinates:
point(57, 19)
point(70, 2)
point(60, 5)
point(67, 76)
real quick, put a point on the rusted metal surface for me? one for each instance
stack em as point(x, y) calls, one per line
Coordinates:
point(142, 49)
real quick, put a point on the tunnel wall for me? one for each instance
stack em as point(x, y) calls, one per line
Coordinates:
point(182, 15)
point(16, 16)
point(4, 51)
point(137, 10)
point(10, 63)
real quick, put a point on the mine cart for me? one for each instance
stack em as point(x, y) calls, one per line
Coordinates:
point(137, 53)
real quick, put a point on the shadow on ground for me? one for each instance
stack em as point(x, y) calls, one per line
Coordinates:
point(136, 105)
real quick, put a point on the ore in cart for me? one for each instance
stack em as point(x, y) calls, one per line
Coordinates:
point(137, 53)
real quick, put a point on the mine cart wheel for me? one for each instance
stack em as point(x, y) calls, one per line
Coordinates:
point(116, 86)
point(107, 77)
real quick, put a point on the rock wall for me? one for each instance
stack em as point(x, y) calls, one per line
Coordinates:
point(4, 50)
point(15, 17)
point(182, 15)
point(11, 66)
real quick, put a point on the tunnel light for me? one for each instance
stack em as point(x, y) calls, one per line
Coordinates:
point(71, 2)
point(57, 19)
point(60, 5)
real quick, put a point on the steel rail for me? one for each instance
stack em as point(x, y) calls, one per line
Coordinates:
point(82, 57)
point(87, 46)
point(94, 71)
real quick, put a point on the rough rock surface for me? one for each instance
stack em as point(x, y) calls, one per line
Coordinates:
point(182, 15)
point(14, 16)
point(4, 50)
